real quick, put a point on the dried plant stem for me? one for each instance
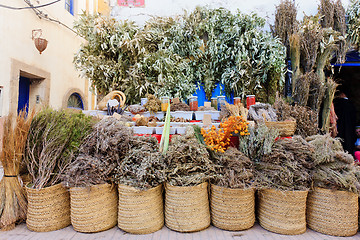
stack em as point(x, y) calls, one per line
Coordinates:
point(295, 58)
point(329, 97)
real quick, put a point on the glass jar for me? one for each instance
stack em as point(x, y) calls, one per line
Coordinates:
point(250, 100)
point(220, 102)
point(237, 100)
point(214, 103)
point(165, 101)
point(193, 103)
point(143, 101)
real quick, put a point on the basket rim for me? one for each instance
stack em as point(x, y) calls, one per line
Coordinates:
point(58, 185)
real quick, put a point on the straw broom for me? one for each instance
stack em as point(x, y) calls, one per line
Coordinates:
point(13, 202)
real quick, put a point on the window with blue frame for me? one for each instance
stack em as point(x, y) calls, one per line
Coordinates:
point(69, 6)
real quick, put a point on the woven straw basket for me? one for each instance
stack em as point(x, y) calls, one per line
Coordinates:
point(140, 212)
point(282, 211)
point(285, 128)
point(48, 208)
point(187, 208)
point(333, 212)
point(93, 209)
point(232, 209)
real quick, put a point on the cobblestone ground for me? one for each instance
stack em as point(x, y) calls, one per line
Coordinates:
point(212, 233)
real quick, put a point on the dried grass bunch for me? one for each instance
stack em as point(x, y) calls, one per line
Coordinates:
point(233, 169)
point(334, 168)
point(53, 142)
point(287, 167)
point(13, 205)
point(143, 167)
point(102, 150)
point(306, 119)
point(259, 142)
point(187, 161)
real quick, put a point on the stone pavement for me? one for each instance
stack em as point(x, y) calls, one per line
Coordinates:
point(212, 233)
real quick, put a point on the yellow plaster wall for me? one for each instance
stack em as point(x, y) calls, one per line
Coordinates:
point(16, 44)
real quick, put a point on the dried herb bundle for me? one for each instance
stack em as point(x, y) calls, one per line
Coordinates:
point(102, 150)
point(326, 10)
point(334, 169)
point(285, 21)
point(311, 34)
point(187, 161)
point(259, 142)
point(13, 203)
point(179, 107)
point(317, 91)
point(288, 166)
point(53, 142)
point(353, 26)
point(153, 104)
point(306, 119)
point(339, 17)
point(302, 87)
point(143, 167)
point(233, 169)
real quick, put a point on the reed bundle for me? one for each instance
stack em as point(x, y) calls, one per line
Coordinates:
point(13, 202)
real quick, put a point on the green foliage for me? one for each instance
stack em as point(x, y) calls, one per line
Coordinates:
point(353, 17)
point(53, 141)
point(111, 49)
point(172, 55)
point(238, 53)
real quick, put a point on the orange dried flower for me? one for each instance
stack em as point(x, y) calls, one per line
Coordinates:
point(219, 139)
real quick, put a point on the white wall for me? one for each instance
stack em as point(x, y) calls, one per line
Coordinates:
point(265, 8)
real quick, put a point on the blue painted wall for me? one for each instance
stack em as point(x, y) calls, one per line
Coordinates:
point(200, 93)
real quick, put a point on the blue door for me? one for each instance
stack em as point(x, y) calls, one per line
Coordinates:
point(24, 90)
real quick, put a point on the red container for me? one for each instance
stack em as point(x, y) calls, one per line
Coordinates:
point(250, 100)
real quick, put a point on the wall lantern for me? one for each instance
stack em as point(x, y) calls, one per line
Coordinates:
point(40, 43)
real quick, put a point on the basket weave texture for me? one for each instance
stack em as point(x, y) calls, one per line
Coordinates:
point(187, 208)
point(232, 209)
point(93, 209)
point(48, 208)
point(333, 212)
point(285, 128)
point(282, 211)
point(140, 212)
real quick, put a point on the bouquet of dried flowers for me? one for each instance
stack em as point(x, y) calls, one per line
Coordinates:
point(219, 139)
